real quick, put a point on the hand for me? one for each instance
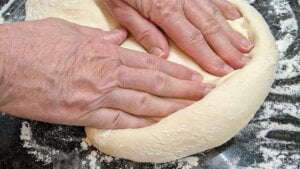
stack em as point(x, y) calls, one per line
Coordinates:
point(198, 27)
point(60, 72)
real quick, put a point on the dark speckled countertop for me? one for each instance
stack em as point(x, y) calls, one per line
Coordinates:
point(271, 140)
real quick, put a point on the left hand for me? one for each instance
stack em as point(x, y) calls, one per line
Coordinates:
point(198, 27)
point(55, 71)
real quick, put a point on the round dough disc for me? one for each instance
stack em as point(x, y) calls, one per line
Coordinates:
point(207, 123)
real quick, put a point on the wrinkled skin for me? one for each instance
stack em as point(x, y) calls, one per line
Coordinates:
point(198, 27)
point(60, 72)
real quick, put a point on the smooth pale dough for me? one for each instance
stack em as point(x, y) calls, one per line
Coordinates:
point(207, 123)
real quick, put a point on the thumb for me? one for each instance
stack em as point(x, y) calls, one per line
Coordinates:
point(144, 31)
point(116, 36)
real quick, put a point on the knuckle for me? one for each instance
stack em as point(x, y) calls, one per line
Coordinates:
point(215, 12)
point(153, 62)
point(144, 103)
point(143, 35)
point(107, 69)
point(214, 65)
point(74, 101)
point(122, 77)
point(211, 68)
point(185, 71)
point(161, 82)
point(117, 118)
point(194, 38)
point(162, 11)
point(210, 26)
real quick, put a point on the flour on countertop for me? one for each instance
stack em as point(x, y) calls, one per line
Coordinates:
point(93, 160)
point(84, 145)
point(250, 1)
point(188, 162)
point(41, 153)
point(4, 8)
point(47, 154)
point(288, 68)
point(274, 158)
point(288, 27)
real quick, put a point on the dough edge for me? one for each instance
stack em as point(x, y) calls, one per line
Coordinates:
point(208, 123)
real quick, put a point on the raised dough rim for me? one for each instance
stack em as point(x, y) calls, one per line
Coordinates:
point(134, 144)
point(152, 156)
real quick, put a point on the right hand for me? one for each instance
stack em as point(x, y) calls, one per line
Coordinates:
point(60, 72)
point(198, 27)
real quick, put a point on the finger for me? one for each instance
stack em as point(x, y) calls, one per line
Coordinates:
point(213, 32)
point(160, 84)
point(143, 30)
point(141, 104)
point(191, 40)
point(227, 9)
point(116, 36)
point(236, 39)
point(142, 60)
point(114, 119)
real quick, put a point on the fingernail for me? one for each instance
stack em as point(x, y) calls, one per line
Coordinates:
point(246, 44)
point(245, 60)
point(237, 14)
point(208, 89)
point(157, 51)
point(227, 69)
point(197, 78)
point(247, 55)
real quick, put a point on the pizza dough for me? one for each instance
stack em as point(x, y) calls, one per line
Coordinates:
point(207, 123)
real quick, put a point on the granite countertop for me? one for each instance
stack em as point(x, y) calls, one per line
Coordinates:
point(271, 140)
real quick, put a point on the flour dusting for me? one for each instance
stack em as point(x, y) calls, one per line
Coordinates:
point(277, 153)
point(93, 160)
point(41, 153)
point(47, 154)
point(188, 162)
point(4, 8)
point(277, 149)
point(84, 145)
point(288, 28)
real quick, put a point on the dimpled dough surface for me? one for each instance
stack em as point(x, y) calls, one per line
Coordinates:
point(207, 123)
